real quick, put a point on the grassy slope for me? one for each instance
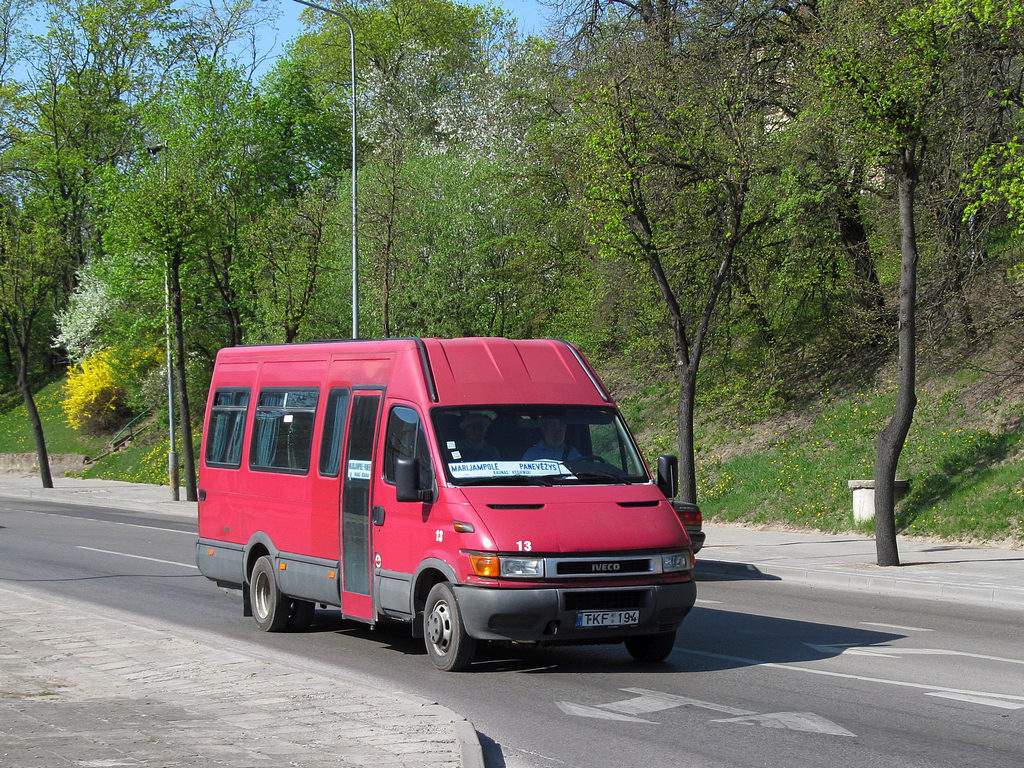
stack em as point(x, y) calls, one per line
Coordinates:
point(964, 457)
point(145, 461)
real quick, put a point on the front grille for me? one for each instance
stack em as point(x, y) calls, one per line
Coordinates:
point(598, 600)
point(603, 567)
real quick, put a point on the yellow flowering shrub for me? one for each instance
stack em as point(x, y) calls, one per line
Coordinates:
point(93, 401)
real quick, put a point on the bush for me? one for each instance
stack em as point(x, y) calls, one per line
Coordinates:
point(93, 402)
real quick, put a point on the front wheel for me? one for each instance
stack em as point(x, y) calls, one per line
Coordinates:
point(270, 608)
point(449, 647)
point(651, 648)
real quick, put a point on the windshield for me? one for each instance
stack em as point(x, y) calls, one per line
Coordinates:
point(536, 445)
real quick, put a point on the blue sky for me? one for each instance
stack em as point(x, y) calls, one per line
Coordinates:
point(529, 13)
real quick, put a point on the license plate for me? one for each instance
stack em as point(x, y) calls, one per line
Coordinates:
point(607, 618)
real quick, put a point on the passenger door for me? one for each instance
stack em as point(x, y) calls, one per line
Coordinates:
point(356, 539)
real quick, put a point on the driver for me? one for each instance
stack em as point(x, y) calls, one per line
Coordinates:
point(552, 444)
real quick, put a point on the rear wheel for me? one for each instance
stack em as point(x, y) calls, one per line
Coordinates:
point(270, 608)
point(444, 634)
point(651, 648)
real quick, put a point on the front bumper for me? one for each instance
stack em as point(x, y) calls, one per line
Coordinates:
point(548, 615)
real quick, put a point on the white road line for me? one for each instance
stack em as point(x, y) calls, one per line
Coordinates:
point(896, 626)
point(112, 522)
point(977, 700)
point(893, 652)
point(138, 557)
point(863, 678)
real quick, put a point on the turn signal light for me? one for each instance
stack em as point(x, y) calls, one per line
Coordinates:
point(486, 565)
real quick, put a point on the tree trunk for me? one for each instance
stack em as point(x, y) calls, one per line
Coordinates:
point(33, 416)
point(187, 454)
point(687, 463)
point(892, 438)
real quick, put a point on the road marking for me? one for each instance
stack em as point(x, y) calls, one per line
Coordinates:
point(702, 601)
point(647, 701)
point(896, 626)
point(895, 653)
point(652, 701)
point(977, 700)
point(792, 721)
point(851, 650)
point(580, 710)
point(848, 676)
point(112, 522)
point(139, 557)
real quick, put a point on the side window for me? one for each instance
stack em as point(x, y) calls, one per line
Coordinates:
point(227, 428)
point(334, 432)
point(282, 435)
point(405, 437)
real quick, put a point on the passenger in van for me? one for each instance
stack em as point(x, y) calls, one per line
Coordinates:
point(474, 446)
point(552, 444)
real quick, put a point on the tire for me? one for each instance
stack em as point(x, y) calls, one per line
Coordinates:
point(301, 616)
point(449, 647)
point(651, 648)
point(270, 608)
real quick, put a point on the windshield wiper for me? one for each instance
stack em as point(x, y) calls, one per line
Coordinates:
point(603, 476)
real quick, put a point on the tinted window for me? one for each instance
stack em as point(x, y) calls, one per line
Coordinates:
point(282, 435)
point(227, 428)
point(334, 431)
point(405, 437)
point(536, 444)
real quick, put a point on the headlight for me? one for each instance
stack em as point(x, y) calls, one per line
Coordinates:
point(676, 561)
point(521, 566)
point(495, 566)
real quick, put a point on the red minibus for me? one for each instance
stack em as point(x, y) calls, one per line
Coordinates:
point(478, 489)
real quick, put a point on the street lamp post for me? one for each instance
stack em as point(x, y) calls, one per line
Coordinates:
point(355, 237)
point(172, 453)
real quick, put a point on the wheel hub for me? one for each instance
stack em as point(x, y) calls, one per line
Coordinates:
point(439, 627)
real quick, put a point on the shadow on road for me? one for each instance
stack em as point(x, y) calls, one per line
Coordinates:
point(709, 640)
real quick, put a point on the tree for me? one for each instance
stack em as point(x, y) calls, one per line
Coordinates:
point(95, 66)
point(33, 270)
point(156, 226)
point(289, 247)
point(884, 76)
point(678, 140)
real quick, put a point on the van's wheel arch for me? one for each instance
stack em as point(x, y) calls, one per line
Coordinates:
point(448, 645)
point(270, 608)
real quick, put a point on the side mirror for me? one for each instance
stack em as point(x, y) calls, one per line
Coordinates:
point(668, 475)
point(407, 480)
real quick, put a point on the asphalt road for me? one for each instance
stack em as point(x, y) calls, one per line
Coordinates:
point(764, 673)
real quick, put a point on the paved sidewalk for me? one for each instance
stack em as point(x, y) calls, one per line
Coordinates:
point(96, 688)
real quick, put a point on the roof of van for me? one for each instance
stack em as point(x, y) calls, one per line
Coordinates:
point(461, 371)
point(498, 370)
